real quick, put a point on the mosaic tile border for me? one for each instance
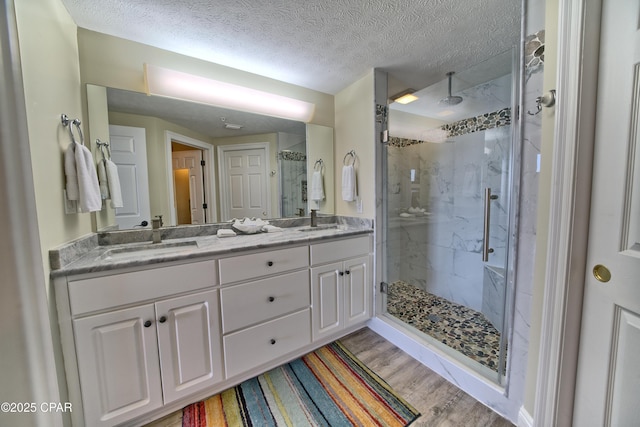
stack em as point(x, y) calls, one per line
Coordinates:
point(292, 155)
point(534, 50)
point(479, 123)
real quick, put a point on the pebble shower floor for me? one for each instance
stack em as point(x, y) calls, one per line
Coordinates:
point(455, 325)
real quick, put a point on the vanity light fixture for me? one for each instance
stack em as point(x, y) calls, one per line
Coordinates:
point(405, 97)
point(176, 84)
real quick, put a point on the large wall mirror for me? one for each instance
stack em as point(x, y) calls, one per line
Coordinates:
point(195, 163)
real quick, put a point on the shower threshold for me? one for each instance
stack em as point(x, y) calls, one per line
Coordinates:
point(458, 327)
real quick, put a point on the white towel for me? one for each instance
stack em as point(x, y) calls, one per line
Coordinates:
point(88, 188)
point(102, 180)
point(317, 186)
point(349, 192)
point(114, 185)
point(73, 193)
point(271, 229)
point(225, 232)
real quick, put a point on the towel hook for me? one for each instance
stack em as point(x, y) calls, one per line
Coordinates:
point(351, 153)
point(318, 162)
point(546, 100)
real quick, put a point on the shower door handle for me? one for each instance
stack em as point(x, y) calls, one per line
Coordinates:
point(488, 197)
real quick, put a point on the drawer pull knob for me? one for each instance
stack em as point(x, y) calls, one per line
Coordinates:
point(147, 323)
point(163, 319)
point(272, 341)
point(348, 272)
point(272, 299)
point(270, 263)
point(341, 273)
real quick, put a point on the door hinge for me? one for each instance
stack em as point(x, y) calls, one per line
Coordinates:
point(204, 206)
point(384, 287)
point(202, 162)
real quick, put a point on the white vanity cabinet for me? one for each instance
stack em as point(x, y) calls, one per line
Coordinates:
point(341, 285)
point(141, 340)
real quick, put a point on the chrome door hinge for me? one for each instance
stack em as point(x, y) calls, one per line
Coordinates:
point(384, 287)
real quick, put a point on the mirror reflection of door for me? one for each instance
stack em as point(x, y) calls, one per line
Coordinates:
point(129, 153)
point(244, 181)
point(188, 180)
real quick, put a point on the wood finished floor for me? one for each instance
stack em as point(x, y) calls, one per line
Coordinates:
point(441, 404)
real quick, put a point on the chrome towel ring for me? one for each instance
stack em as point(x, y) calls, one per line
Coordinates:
point(351, 153)
point(70, 123)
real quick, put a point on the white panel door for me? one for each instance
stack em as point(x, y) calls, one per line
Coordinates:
point(326, 299)
point(129, 151)
point(245, 184)
point(189, 342)
point(118, 365)
point(608, 384)
point(192, 160)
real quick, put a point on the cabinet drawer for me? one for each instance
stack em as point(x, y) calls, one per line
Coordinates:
point(254, 346)
point(254, 302)
point(254, 266)
point(99, 293)
point(322, 253)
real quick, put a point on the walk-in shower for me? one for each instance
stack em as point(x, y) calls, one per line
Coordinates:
point(447, 191)
point(292, 166)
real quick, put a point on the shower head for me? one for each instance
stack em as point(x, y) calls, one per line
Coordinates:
point(450, 100)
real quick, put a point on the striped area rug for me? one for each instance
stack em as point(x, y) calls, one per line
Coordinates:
point(329, 387)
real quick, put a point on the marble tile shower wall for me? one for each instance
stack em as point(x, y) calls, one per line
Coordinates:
point(441, 252)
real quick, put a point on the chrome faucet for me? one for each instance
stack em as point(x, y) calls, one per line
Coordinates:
point(314, 217)
point(156, 223)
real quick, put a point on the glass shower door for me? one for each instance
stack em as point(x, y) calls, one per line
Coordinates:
point(447, 218)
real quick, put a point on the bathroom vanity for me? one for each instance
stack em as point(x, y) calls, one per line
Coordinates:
point(146, 335)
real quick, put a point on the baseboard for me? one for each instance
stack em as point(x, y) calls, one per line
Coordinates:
point(524, 418)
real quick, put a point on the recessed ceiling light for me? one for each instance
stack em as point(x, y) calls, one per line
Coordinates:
point(232, 126)
point(405, 97)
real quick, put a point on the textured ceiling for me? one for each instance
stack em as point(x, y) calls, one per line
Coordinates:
point(318, 44)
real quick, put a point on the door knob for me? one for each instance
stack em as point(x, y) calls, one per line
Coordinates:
point(601, 273)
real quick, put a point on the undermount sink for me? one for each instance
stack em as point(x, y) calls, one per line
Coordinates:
point(320, 227)
point(148, 249)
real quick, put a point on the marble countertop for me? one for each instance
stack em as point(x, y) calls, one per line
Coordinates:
point(87, 256)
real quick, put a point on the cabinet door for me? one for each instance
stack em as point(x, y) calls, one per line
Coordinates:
point(189, 342)
point(357, 302)
point(118, 365)
point(327, 299)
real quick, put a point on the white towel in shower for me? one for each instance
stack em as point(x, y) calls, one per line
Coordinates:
point(349, 192)
point(114, 184)
point(82, 179)
point(317, 186)
point(102, 180)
